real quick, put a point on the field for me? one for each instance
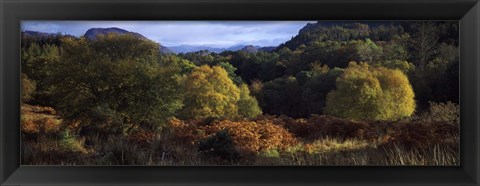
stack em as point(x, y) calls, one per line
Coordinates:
point(268, 140)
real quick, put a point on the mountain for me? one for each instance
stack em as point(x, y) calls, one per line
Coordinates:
point(195, 48)
point(249, 49)
point(340, 31)
point(94, 32)
point(28, 33)
point(267, 49)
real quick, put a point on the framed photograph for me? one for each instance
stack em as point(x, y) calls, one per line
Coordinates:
point(239, 92)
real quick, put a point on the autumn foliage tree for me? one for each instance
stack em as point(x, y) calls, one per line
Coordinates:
point(365, 92)
point(247, 104)
point(209, 93)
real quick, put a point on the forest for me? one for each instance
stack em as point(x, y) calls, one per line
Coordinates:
point(338, 93)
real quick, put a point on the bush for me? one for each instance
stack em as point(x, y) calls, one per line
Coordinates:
point(70, 142)
point(442, 112)
point(321, 126)
point(423, 134)
point(220, 145)
point(117, 151)
point(364, 92)
point(253, 137)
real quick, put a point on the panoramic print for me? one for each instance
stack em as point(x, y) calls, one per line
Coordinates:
point(240, 93)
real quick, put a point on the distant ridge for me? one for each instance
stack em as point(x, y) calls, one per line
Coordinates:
point(94, 32)
point(196, 48)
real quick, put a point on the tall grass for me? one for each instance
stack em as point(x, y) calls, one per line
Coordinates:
point(268, 140)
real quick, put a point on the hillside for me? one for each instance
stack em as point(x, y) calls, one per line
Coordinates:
point(94, 32)
point(339, 31)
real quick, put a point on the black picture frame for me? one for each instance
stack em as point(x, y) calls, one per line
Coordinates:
point(13, 11)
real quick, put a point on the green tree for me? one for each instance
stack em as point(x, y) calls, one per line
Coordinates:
point(37, 61)
point(368, 51)
point(247, 104)
point(115, 90)
point(423, 43)
point(231, 72)
point(281, 96)
point(319, 82)
point(209, 93)
point(184, 65)
point(404, 66)
point(397, 48)
point(364, 92)
point(28, 88)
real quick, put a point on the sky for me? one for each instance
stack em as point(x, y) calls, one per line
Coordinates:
point(175, 33)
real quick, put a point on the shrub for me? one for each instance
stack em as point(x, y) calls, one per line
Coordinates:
point(253, 137)
point(39, 120)
point(70, 142)
point(143, 138)
point(443, 112)
point(422, 134)
point(118, 151)
point(220, 145)
point(322, 126)
point(369, 93)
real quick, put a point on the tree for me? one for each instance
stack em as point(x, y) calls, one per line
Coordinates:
point(37, 61)
point(442, 74)
point(396, 49)
point(209, 93)
point(423, 43)
point(184, 65)
point(319, 82)
point(404, 66)
point(368, 51)
point(28, 88)
point(364, 92)
point(231, 72)
point(281, 96)
point(114, 90)
point(247, 105)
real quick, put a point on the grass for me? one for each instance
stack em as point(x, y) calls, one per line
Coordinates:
point(268, 140)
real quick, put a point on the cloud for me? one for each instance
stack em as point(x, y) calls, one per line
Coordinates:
point(173, 33)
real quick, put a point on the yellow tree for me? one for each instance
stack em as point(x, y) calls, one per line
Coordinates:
point(247, 104)
point(210, 93)
point(365, 92)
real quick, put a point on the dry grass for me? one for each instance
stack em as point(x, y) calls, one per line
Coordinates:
point(267, 140)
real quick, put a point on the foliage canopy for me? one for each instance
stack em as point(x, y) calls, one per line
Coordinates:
point(365, 92)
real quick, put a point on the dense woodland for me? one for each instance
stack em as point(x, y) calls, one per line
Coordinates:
point(338, 93)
